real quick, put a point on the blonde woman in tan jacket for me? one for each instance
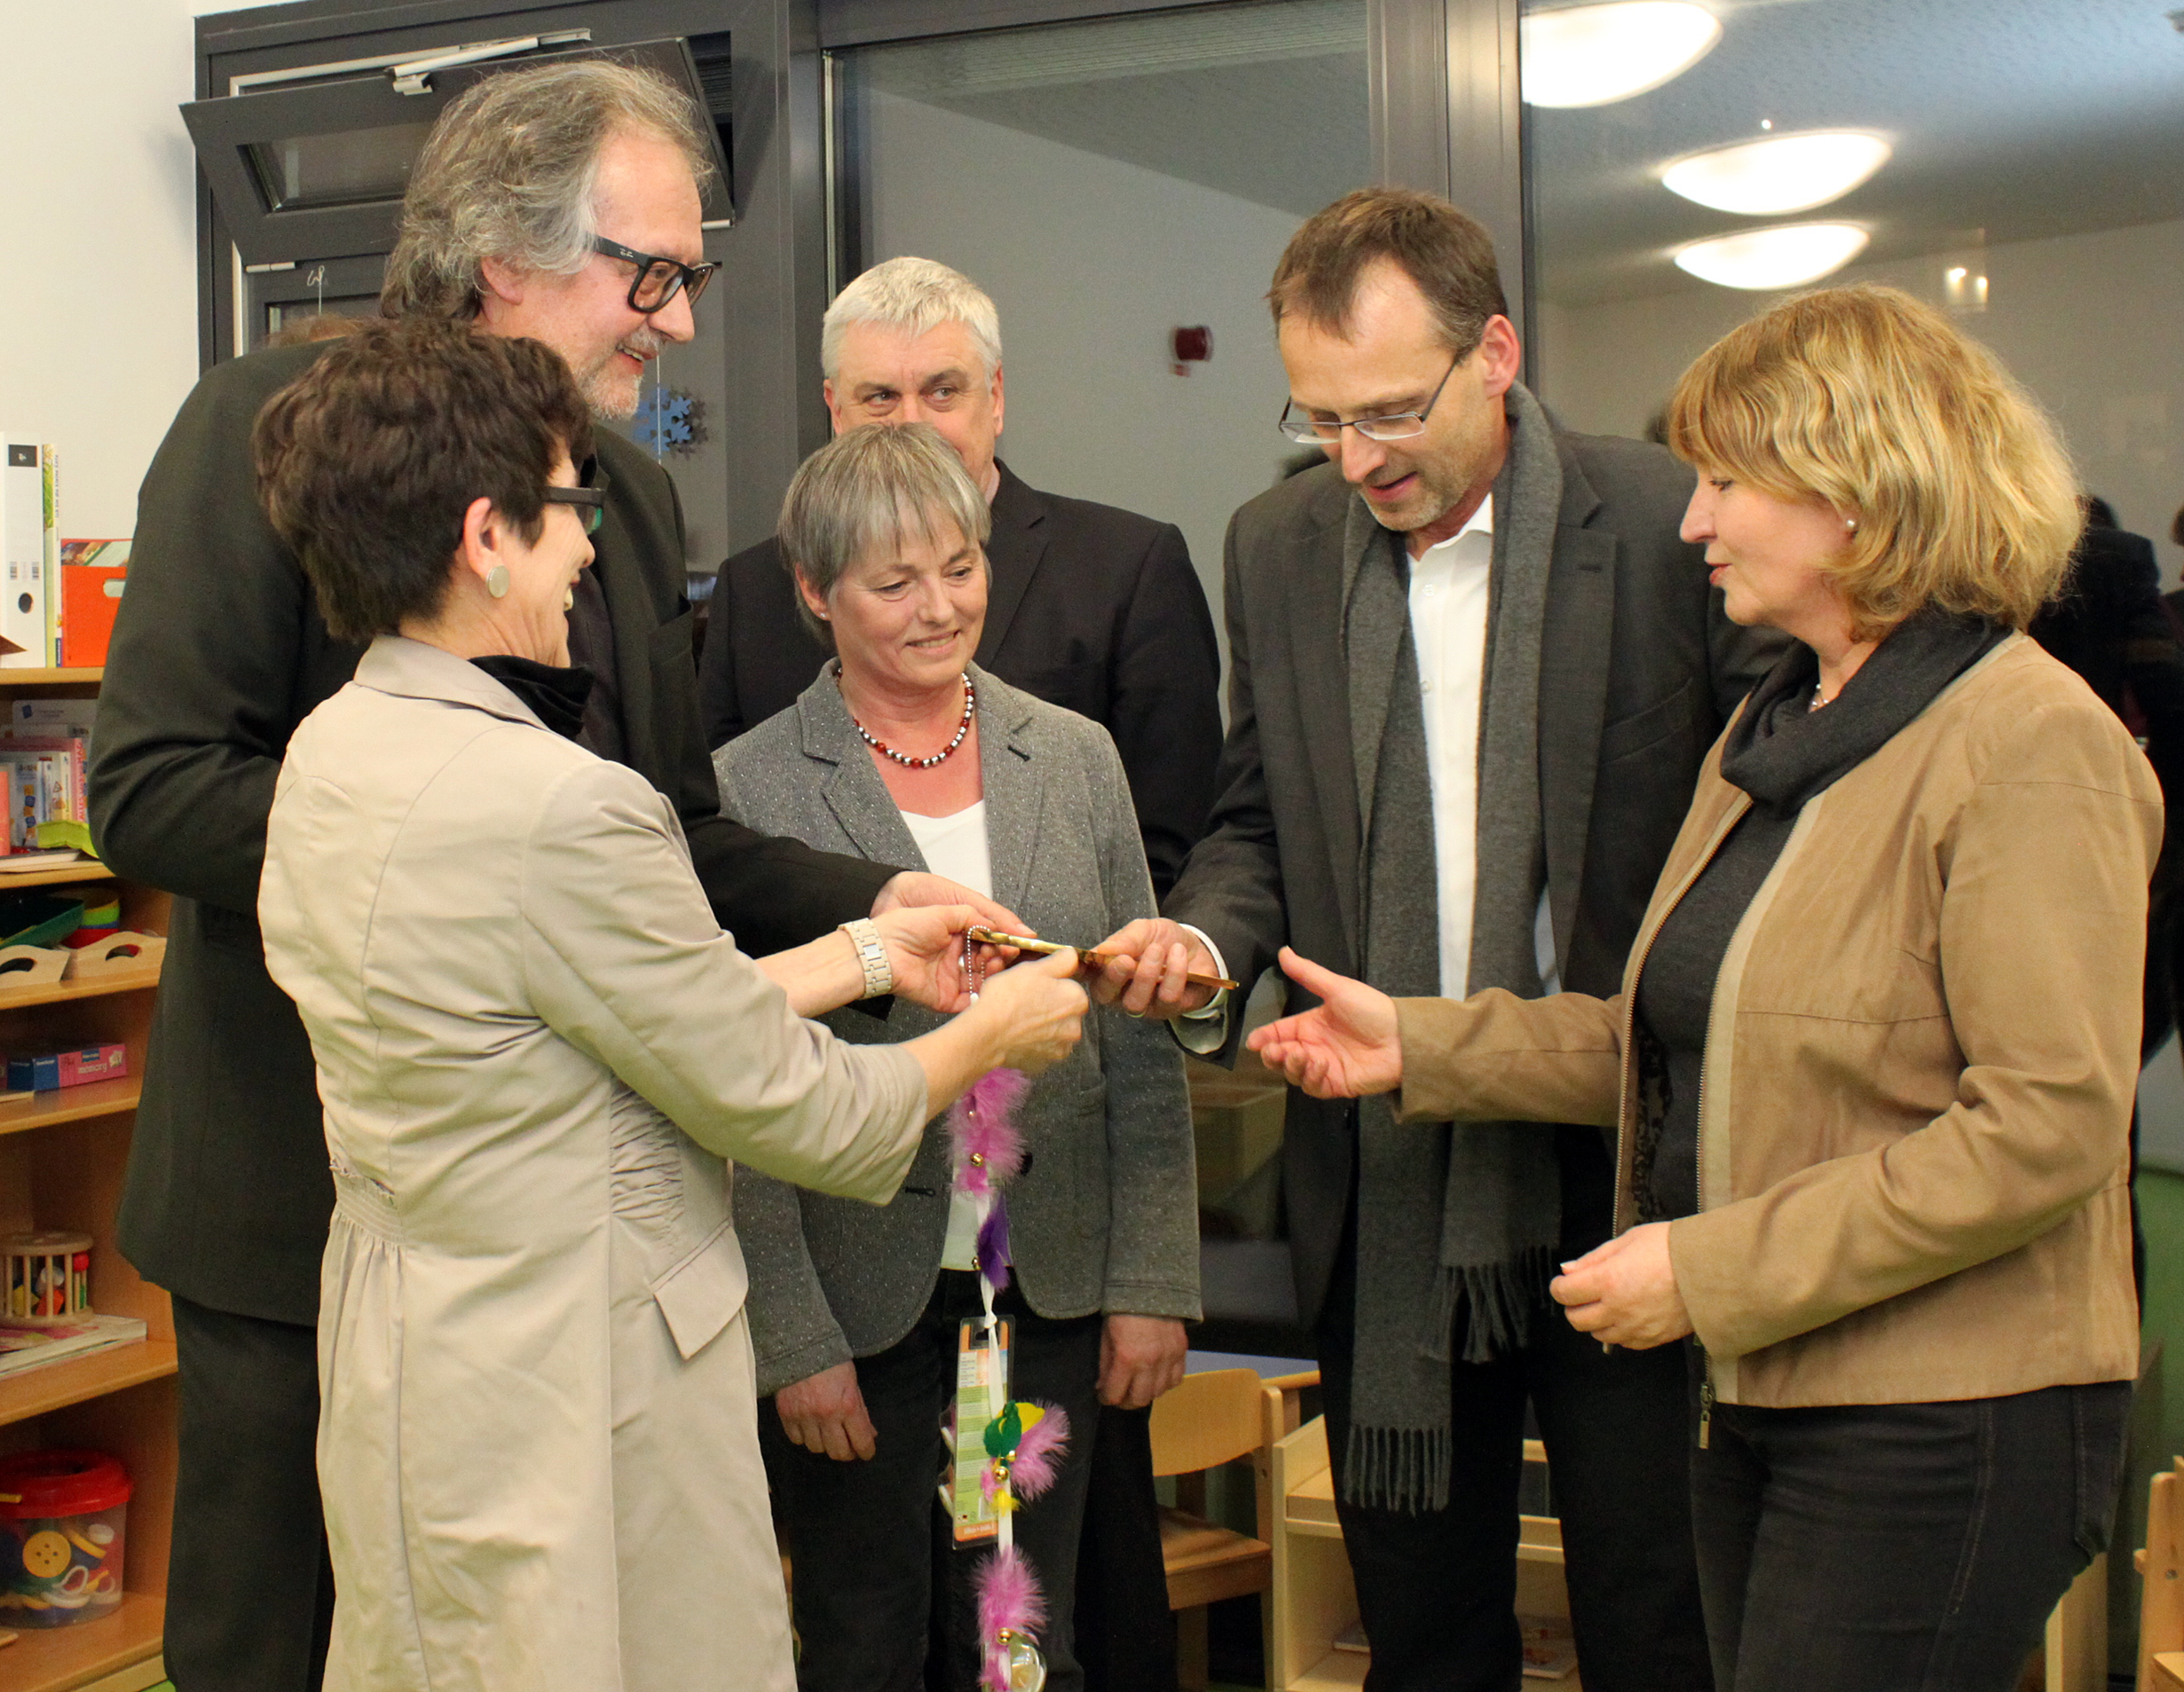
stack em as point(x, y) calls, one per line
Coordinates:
point(1872, 1066)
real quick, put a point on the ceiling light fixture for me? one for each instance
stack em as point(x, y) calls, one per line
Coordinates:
point(1779, 173)
point(1592, 55)
point(1789, 257)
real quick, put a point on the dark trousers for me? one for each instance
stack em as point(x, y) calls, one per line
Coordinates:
point(1912, 1547)
point(877, 1577)
point(1436, 1591)
point(1125, 1632)
point(249, 1586)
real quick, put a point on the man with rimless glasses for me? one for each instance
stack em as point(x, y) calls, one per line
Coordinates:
point(1474, 674)
point(560, 203)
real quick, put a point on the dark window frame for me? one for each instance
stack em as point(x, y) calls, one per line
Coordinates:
point(1453, 132)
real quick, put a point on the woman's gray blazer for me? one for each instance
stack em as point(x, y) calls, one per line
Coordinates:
point(1105, 1215)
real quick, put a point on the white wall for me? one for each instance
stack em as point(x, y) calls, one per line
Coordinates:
point(1092, 263)
point(98, 297)
point(2090, 323)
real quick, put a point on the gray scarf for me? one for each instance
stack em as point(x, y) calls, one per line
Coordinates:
point(1453, 1222)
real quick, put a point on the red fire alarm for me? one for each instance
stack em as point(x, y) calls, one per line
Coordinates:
point(1191, 346)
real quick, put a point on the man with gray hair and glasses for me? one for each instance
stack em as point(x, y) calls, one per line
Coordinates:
point(1092, 607)
point(558, 202)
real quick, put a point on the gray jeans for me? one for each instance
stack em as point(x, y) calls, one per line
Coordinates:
point(1912, 1547)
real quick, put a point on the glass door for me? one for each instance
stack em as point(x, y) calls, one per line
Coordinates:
point(1110, 184)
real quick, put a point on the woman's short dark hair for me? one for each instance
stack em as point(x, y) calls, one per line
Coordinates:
point(367, 461)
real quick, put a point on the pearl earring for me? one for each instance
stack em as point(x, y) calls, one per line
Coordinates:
point(497, 581)
point(1851, 525)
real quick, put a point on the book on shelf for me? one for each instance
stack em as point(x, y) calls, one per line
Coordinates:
point(56, 719)
point(36, 862)
point(23, 630)
point(29, 1348)
point(48, 508)
point(43, 775)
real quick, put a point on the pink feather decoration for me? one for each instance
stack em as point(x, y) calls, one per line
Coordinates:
point(988, 1150)
point(1039, 1454)
point(1009, 1600)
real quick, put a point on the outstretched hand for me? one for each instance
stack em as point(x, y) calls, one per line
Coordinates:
point(1346, 1047)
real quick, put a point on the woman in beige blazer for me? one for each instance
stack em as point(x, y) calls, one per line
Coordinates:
point(536, 1048)
point(1872, 1067)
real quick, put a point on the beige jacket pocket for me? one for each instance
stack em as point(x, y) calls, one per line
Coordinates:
point(700, 1296)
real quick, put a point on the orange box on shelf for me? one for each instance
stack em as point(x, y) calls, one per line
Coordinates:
point(93, 575)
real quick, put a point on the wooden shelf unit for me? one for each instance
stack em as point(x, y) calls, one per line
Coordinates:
point(91, 1656)
point(61, 1159)
point(1313, 1598)
point(91, 986)
point(87, 869)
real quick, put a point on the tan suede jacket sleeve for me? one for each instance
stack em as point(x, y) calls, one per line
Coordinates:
point(1497, 1058)
point(2041, 941)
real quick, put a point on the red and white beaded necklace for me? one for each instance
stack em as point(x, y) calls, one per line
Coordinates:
point(970, 706)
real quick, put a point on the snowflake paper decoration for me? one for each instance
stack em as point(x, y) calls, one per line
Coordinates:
point(669, 421)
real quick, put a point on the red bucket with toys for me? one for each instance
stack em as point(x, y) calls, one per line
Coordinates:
point(63, 1524)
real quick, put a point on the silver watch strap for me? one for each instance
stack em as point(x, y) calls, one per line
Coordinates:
point(872, 954)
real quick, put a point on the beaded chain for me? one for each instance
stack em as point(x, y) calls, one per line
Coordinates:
point(970, 705)
point(974, 968)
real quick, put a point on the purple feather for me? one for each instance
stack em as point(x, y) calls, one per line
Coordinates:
point(993, 1244)
point(1039, 1454)
point(1009, 1602)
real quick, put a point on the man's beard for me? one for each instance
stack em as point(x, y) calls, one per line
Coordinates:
point(610, 393)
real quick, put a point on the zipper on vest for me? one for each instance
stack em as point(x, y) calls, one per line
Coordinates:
point(1706, 1397)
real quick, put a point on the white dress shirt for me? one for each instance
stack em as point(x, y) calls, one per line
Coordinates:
point(1450, 596)
point(1449, 599)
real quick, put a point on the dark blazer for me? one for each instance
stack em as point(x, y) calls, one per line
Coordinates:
point(1639, 669)
point(1094, 609)
point(218, 653)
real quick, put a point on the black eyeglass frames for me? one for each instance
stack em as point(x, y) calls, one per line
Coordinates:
point(591, 501)
point(658, 279)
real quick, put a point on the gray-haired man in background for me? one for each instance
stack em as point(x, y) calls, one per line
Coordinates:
point(1091, 607)
point(559, 202)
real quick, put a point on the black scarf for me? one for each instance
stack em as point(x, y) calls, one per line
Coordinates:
point(555, 697)
point(1781, 751)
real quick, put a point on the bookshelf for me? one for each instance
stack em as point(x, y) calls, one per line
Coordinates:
point(61, 1159)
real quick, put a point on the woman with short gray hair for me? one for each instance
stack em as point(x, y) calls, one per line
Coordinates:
point(903, 750)
point(845, 503)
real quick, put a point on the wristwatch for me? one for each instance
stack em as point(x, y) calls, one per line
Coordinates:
point(871, 956)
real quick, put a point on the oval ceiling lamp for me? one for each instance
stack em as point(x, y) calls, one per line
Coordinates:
point(1593, 55)
point(1778, 173)
point(1789, 257)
